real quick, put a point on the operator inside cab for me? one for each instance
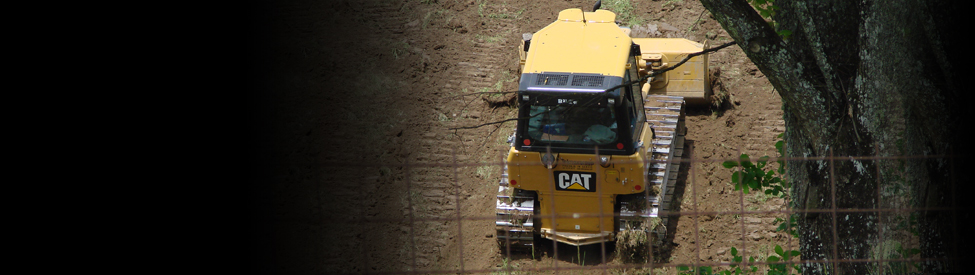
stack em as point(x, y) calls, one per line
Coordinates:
point(572, 124)
point(562, 116)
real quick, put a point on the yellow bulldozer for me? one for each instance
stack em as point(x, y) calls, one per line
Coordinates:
point(596, 152)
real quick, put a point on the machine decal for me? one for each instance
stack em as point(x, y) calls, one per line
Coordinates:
point(575, 181)
point(574, 165)
point(568, 101)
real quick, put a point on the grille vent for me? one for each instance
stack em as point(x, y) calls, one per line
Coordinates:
point(552, 80)
point(587, 80)
point(563, 80)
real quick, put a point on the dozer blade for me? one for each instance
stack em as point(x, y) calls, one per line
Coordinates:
point(690, 81)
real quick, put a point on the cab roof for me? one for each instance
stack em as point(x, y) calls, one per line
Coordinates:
point(580, 42)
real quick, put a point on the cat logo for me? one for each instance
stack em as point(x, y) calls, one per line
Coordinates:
point(575, 181)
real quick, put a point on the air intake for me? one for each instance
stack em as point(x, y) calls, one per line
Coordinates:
point(552, 80)
point(587, 80)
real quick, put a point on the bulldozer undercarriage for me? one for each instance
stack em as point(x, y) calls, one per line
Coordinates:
point(517, 223)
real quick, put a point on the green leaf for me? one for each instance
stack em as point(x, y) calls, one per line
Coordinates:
point(762, 161)
point(683, 268)
point(773, 259)
point(794, 253)
point(734, 251)
point(745, 161)
point(729, 164)
point(756, 185)
point(758, 174)
point(735, 177)
point(768, 191)
point(778, 250)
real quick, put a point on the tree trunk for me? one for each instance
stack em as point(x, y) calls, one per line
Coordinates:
point(860, 80)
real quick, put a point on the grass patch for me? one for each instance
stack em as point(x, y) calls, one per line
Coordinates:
point(513, 15)
point(624, 12)
point(505, 269)
point(673, 3)
point(439, 13)
point(501, 12)
point(505, 78)
point(485, 172)
point(633, 242)
point(399, 48)
point(490, 39)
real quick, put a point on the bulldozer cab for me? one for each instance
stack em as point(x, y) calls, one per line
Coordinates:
point(573, 120)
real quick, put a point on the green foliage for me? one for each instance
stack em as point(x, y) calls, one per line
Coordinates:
point(624, 12)
point(767, 9)
point(736, 264)
point(506, 268)
point(774, 267)
point(786, 34)
point(755, 177)
point(905, 253)
point(893, 250)
point(789, 226)
point(782, 268)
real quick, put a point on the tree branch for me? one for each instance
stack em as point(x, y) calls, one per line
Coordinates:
point(807, 98)
point(812, 34)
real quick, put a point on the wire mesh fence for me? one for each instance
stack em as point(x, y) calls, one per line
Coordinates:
point(882, 259)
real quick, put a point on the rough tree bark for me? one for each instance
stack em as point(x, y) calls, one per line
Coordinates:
point(864, 79)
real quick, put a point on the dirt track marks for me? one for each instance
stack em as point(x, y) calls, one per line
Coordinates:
point(764, 130)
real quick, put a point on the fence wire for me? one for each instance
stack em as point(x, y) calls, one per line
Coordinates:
point(456, 215)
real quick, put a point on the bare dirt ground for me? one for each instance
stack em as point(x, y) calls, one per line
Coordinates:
point(355, 168)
